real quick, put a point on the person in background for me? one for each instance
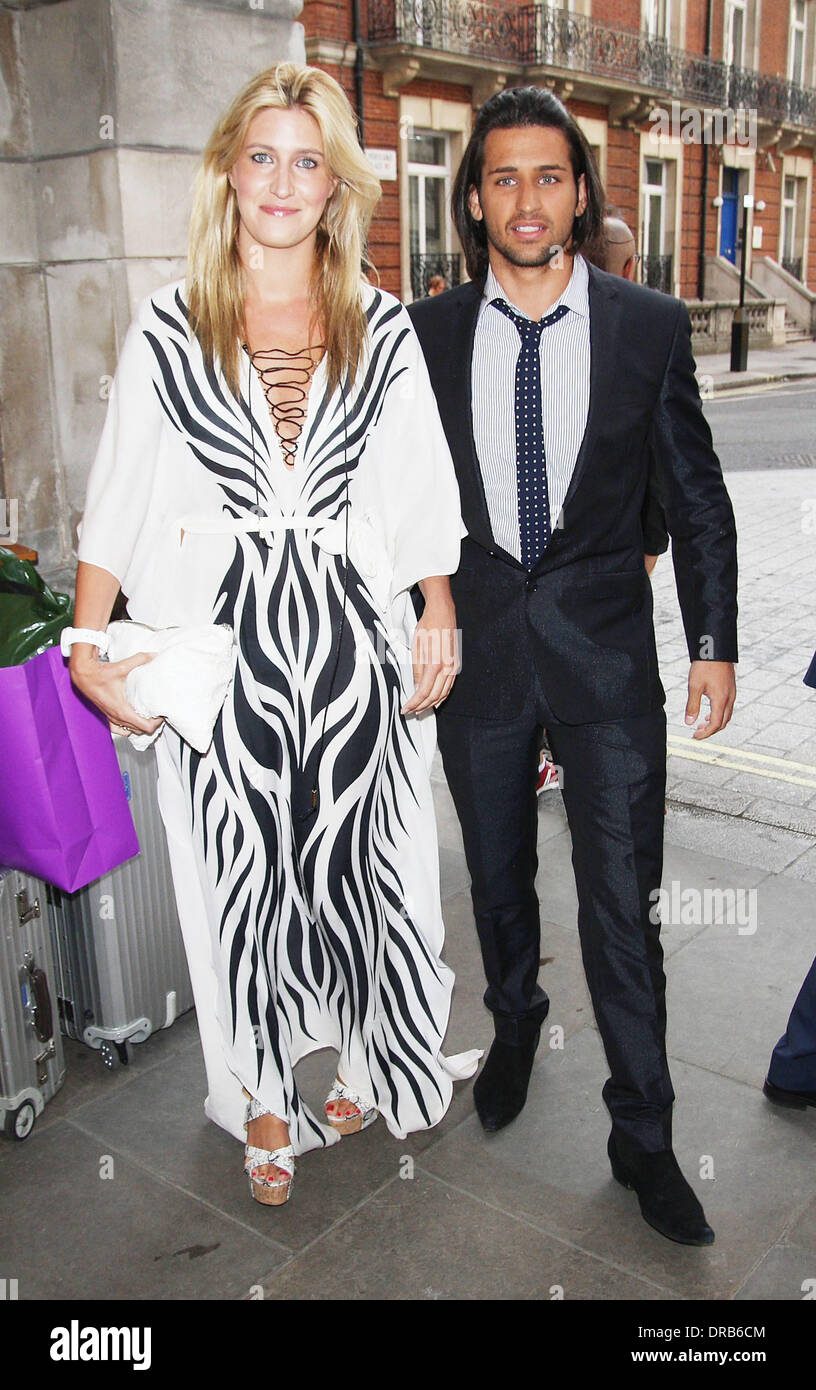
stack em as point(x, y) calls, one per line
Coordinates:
point(621, 252)
point(437, 285)
point(791, 1079)
point(617, 253)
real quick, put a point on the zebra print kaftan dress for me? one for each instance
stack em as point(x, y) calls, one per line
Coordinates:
point(305, 927)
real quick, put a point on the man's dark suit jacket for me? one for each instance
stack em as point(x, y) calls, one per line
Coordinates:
point(585, 611)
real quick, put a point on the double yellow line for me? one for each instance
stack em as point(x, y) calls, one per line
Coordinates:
point(743, 760)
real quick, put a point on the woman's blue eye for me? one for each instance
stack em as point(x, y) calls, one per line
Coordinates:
point(263, 157)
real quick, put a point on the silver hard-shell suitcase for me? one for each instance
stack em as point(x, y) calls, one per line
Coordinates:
point(121, 968)
point(32, 1066)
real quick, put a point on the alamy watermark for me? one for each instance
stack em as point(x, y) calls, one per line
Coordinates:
point(676, 906)
point(79, 1343)
point(430, 646)
point(694, 127)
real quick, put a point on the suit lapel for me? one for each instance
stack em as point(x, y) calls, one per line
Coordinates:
point(604, 313)
point(471, 483)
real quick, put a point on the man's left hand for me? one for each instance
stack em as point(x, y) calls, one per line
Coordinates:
point(715, 679)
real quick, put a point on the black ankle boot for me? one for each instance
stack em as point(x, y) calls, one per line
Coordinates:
point(667, 1203)
point(500, 1089)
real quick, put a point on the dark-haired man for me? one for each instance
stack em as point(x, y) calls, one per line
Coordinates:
point(551, 377)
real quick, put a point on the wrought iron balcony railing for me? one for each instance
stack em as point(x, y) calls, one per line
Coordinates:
point(775, 99)
point(560, 39)
point(478, 28)
point(540, 35)
point(793, 266)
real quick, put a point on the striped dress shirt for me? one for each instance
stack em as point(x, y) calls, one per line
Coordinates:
point(564, 354)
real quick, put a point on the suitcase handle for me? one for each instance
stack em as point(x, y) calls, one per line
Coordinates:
point(43, 1019)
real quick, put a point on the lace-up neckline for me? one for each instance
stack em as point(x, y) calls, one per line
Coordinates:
point(286, 378)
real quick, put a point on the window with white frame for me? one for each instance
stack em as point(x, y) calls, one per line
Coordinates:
point(735, 18)
point(654, 207)
point(656, 231)
point(429, 226)
point(794, 217)
point(798, 37)
point(657, 18)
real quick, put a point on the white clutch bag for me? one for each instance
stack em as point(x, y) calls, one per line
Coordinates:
point(186, 682)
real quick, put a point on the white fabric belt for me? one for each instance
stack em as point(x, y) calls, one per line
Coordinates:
point(366, 550)
point(332, 534)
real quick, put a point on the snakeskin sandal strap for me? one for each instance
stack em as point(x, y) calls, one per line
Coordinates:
point(269, 1189)
point(366, 1109)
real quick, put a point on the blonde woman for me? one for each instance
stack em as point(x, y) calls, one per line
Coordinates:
point(273, 459)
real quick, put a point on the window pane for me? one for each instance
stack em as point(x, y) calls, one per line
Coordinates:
point(655, 246)
point(737, 20)
point(413, 212)
point(787, 240)
point(654, 171)
point(798, 55)
point(434, 214)
point(426, 148)
point(799, 218)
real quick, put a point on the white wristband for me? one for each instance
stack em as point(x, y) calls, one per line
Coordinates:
point(70, 635)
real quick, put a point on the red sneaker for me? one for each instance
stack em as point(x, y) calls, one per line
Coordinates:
point(547, 776)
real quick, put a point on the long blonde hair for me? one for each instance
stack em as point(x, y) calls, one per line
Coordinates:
point(216, 283)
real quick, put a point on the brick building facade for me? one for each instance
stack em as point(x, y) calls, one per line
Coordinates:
point(690, 105)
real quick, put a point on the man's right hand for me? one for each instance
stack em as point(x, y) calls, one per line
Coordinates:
point(103, 683)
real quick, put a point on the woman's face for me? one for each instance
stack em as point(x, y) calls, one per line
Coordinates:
point(281, 178)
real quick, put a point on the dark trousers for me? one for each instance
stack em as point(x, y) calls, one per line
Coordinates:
point(793, 1061)
point(614, 781)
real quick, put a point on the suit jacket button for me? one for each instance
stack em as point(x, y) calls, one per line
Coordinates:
point(530, 586)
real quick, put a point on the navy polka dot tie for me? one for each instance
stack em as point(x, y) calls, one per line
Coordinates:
point(531, 464)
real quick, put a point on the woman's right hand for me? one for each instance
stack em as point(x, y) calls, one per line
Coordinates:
point(103, 683)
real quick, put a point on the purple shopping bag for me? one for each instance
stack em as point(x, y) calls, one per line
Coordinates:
point(64, 814)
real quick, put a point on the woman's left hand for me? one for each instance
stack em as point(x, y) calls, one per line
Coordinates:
point(435, 648)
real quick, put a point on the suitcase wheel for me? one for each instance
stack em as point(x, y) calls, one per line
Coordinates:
point(19, 1123)
point(114, 1055)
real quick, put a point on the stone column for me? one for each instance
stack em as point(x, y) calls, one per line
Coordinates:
point(105, 106)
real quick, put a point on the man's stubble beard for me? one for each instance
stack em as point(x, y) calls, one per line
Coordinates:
point(539, 259)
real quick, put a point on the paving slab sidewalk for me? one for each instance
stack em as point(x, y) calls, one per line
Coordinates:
point(125, 1190)
point(762, 767)
point(794, 361)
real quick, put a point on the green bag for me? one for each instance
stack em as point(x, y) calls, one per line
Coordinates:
point(32, 616)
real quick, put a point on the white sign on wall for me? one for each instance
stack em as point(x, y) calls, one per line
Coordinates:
point(383, 162)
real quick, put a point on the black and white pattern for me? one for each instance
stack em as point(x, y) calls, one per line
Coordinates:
point(325, 922)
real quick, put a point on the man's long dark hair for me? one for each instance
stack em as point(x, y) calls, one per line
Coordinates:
point(523, 106)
